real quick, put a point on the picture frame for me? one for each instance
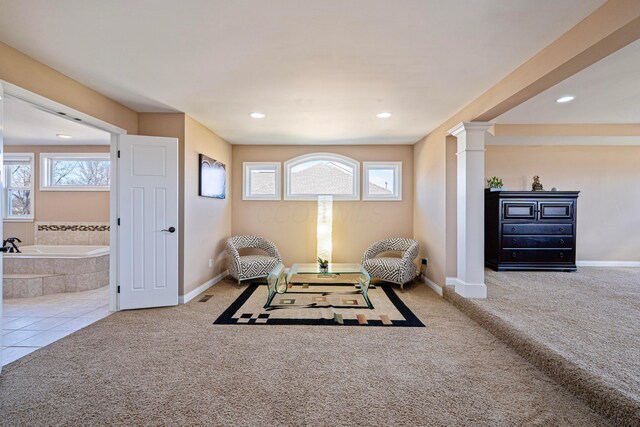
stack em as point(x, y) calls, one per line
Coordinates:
point(212, 178)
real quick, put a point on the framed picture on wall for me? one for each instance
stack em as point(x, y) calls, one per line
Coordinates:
point(213, 178)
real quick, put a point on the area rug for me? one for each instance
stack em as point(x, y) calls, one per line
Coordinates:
point(313, 303)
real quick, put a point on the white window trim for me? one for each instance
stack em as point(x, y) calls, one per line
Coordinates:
point(246, 180)
point(5, 214)
point(397, 193)
point(355, 195)
point(45, 174)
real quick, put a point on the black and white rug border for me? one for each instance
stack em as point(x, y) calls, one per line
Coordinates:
point(411, 320)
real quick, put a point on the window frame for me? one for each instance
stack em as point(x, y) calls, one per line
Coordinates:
point(289, 164)
point(6, 188)
point(45, 171)
point(246, 180)
point(397, 193)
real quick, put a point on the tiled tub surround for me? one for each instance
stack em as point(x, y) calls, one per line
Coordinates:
point(29, 275)
point(71, 233)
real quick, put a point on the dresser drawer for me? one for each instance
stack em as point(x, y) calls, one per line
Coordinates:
point(519, 209)
point(538, 255)
point(556, 210)
point(520, 241)
point(537, 229)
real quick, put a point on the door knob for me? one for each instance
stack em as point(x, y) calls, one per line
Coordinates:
point(170, 229)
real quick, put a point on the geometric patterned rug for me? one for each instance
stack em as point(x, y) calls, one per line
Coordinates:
point(334, 304)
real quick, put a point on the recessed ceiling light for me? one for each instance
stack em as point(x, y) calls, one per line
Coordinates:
point(63, 136)
point(257, 115)
point(384, 115)
point(566, 98)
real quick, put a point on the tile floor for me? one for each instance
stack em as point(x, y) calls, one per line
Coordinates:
point(31, 323)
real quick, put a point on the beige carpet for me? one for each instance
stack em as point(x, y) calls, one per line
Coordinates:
point(174, 367)
point(581, 328)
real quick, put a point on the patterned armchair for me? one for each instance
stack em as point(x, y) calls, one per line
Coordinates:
point(392, 269)
point(251, 266)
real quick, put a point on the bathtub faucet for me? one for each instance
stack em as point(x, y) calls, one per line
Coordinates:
point(12, 241)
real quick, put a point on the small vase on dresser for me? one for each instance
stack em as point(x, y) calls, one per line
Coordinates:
point(530, 230)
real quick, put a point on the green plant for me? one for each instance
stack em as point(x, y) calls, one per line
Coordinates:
point(494, 182)
point(323, 262)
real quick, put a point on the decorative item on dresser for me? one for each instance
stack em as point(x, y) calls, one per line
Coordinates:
point(527, 230)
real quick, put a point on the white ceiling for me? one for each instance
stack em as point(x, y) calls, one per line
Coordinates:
point(319, 69)
point(25, 124)
point(606, 92)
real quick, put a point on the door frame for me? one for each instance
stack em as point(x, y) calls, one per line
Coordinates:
point(55, 107)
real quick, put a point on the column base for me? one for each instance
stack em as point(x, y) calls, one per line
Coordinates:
point(468, 290)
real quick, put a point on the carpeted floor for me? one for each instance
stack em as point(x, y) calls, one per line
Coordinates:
point(172, 366)
point(582, 328)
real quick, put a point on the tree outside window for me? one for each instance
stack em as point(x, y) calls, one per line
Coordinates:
point(18, 191)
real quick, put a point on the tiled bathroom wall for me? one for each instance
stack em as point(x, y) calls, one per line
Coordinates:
point(71, 233)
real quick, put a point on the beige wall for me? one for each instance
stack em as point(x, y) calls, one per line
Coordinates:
point(291, 225)
point(59, 205)
point(606, 177)
point(429, 217)
point(208, 221)
point(22, 70)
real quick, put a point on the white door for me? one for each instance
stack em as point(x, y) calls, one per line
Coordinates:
point(148, 216)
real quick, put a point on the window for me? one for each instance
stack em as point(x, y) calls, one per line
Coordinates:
point(18, 189)
point(311, 175)
point(75, 172)
point(261, 181)
point(382, 181)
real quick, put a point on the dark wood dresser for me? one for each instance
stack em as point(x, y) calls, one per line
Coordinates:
point(530, 230)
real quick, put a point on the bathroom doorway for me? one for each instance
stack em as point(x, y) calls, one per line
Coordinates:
point(56, 224)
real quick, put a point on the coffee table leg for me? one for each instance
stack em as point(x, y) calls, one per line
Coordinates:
point(272, 294)
point(275, 279)
point(364, 288)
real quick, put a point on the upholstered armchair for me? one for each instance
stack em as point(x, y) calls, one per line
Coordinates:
point(392, 269)
point(251, 266)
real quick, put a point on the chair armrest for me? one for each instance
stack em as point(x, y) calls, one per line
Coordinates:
point(234, 257)
point(409, 255)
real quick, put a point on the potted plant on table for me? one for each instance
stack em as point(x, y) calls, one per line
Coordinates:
point(495, 184)
point(323, 264)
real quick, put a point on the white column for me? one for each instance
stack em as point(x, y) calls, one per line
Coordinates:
point(470, 274)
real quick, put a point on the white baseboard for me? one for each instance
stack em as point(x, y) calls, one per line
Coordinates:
point(468, 290)
point(608, 263)
point(430, 283)
point(183, 299)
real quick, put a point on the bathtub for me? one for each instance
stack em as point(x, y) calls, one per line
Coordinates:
point(59, 251)
point(48, 269)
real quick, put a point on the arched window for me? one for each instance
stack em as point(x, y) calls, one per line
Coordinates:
point(312, 175)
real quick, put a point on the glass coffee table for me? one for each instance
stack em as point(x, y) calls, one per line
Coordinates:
point(278, 282)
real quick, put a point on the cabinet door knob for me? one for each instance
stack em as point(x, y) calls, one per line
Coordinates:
point(561, 229)
point(561, 255)
point(562, 241)
point(514, 241)
point(513, 255)
point(513, 229)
